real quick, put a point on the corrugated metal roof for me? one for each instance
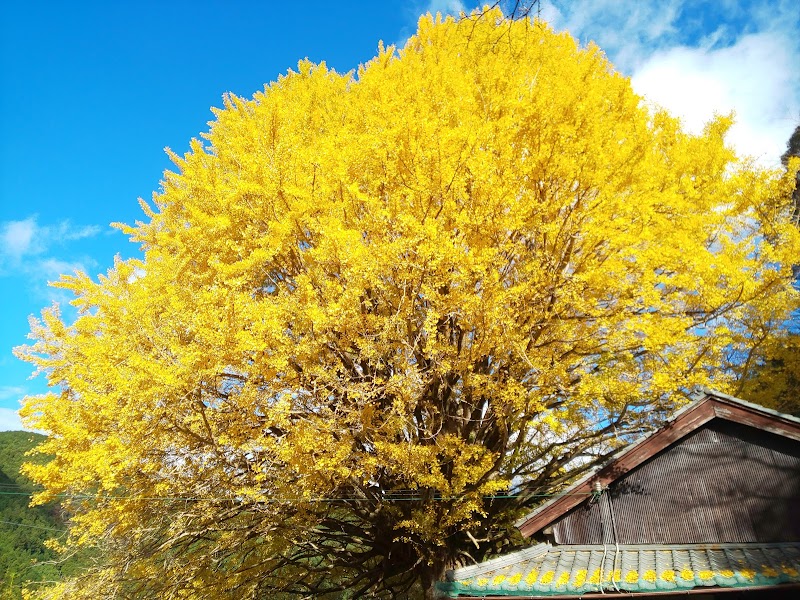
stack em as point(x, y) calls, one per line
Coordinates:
point(546, 570)
point(722, 483)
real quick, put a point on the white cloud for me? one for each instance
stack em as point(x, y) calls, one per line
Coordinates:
point(413, 10)
point(67, 231)
point(137, 274)
point(445, 7)
point(18, 237)
point(27, 237)
point(9, 420)
point(8, 392)
point(53, 268)
point(25, 245)
point(701, 57)
point(752, 78)
point(621, 28)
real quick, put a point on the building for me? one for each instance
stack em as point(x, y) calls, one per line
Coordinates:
point(708, 504)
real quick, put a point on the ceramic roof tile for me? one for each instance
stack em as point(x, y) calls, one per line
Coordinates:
point(546, 570)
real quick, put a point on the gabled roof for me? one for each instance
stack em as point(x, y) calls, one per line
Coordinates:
point(545, 570)
point(712, 405)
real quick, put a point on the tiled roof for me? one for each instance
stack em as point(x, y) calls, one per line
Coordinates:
point(546, 570)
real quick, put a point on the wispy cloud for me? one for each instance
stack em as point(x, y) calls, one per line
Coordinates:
point(26, 245)
point(9, 420)
point(413, 10)
point(28, 237)
point(70, 232)
point(445, 7)
point(41, 253)
point(622, 28)
point(18, 238)
point(11, 392)
point(53, 268)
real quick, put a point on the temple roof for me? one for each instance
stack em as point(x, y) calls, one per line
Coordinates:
point(545, 570)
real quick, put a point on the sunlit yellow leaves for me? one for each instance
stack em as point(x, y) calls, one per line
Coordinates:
point(432, 279)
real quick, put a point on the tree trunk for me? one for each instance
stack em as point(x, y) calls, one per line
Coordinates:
point(431, 574)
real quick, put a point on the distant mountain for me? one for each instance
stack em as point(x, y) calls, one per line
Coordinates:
point(23, 530)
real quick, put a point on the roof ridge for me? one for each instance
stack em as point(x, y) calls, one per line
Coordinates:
point(499, 562)
point(691, 546)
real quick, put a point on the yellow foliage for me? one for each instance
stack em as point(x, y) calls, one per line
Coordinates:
point(370, 303)
point(774, 378)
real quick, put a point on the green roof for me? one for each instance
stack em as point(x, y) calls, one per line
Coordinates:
point(546, 570)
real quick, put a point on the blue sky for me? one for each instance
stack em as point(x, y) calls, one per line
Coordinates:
point(93, 92)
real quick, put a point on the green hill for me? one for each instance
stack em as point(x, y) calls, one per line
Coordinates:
point(23, 530)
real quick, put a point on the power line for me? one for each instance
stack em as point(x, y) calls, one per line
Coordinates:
point(32, 526)
point(386, 498)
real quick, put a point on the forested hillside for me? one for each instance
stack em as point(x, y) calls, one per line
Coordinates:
point(23, 530)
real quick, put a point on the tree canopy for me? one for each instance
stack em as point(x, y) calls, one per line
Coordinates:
point(380, 313)
point(772, 376)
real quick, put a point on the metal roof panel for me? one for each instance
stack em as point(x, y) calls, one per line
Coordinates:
point(545, 570)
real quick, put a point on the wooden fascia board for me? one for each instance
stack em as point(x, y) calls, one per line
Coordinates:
point(746, 416)
point(690, 420)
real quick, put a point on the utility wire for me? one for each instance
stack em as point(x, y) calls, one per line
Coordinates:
point(32, 526)
point(387, 497)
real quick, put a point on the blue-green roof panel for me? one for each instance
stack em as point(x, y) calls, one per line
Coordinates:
point(546, 570)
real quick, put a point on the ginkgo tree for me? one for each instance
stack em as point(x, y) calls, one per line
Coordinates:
point(771, 370)
point(380, 314)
